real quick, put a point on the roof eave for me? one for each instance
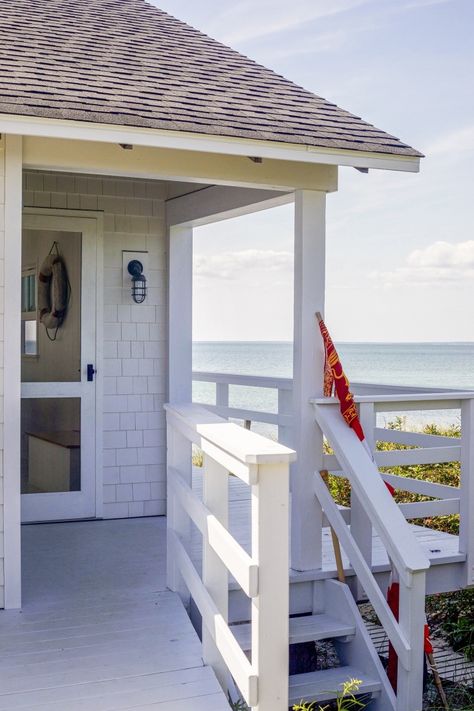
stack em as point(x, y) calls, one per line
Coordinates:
point(179, 140)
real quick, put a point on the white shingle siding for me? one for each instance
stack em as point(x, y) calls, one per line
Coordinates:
point(134, 337)
point(2, 243)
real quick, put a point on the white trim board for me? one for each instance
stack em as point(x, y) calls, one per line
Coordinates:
point(12, 350)
point(158, 163)
point(180, 140)
point(216, 203)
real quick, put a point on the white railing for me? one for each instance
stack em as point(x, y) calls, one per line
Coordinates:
point(263, 576)
point(408, 560)
point(424, 449)
point(372, 400)
point(282, 417)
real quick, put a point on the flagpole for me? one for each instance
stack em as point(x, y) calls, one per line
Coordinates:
point(335, 540)
point(437, 679)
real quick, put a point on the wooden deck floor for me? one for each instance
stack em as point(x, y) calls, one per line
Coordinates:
point(98, 630)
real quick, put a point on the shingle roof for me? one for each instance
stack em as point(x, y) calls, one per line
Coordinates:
point(125, 62)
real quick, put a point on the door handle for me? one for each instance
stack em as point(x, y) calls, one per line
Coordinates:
point(90, 372)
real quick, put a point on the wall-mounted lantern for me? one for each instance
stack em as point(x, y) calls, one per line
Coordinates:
point(135, 269)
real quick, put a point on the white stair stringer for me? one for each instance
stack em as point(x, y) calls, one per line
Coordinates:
point(358, 651)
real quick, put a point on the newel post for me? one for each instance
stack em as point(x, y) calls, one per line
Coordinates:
point(466, 527)
point(270, 609)
point(308, 366)
point(412, 622)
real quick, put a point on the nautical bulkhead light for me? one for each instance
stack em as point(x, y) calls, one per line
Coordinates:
point(135, 269)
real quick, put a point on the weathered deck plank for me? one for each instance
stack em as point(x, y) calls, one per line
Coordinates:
point(98, 631)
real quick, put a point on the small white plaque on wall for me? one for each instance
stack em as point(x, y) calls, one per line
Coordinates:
point(127, 257)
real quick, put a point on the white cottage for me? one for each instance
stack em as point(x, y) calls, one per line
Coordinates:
point(122, 129)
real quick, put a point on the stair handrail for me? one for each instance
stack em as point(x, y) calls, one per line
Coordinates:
point(400, 543)
point(404, 551)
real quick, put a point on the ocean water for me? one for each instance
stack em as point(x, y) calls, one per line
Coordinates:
point(445, 365)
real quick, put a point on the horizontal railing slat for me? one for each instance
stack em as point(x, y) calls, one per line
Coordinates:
point(239, 413)
point(405, 457)
point(415, 486)
point(415, 439)
point(424, 509)
point(255, 381)
point(421, 486)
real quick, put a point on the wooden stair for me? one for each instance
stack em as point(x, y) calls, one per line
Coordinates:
point(321, 685)
point(338, 621)
point(309, 628)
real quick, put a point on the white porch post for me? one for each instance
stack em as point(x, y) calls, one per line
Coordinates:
point(11, 247)
point(180, 313)
point(308, 367)
point(180, 337)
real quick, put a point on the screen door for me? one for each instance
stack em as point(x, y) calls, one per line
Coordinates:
point(58, 407)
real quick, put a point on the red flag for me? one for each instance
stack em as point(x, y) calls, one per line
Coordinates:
point(335, 379)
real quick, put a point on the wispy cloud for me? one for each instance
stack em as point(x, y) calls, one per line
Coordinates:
point(415, 4)
point(323, 42)
point(235, 265)
point(270, 17)
point(438, 263)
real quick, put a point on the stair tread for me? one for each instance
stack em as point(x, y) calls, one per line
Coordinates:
point(323, 685)
point(310, 628)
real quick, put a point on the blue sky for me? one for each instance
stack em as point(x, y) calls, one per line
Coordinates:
point(400, 254)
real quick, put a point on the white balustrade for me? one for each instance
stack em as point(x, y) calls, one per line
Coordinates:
point(423, 449)
point(372, 506)
point(262, 575)
point(407, 558)
point(283, 386)
point(372, 400)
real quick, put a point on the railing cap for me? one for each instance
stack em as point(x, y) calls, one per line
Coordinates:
point(445, 396)
point(246, 446)
point(256, 381)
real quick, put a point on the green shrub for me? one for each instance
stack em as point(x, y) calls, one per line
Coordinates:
point(445, 473)
point(345, 699)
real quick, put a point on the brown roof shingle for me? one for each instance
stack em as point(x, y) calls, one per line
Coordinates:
point(125, 62)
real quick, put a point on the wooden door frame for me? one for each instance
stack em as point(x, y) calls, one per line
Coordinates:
point(12, 447)
point(75, 221)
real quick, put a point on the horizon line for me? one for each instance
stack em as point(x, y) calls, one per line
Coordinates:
point(369, 343)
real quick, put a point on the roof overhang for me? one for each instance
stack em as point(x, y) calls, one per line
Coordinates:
point(178, 140)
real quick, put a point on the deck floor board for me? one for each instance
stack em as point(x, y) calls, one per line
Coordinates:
point(98, 630)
